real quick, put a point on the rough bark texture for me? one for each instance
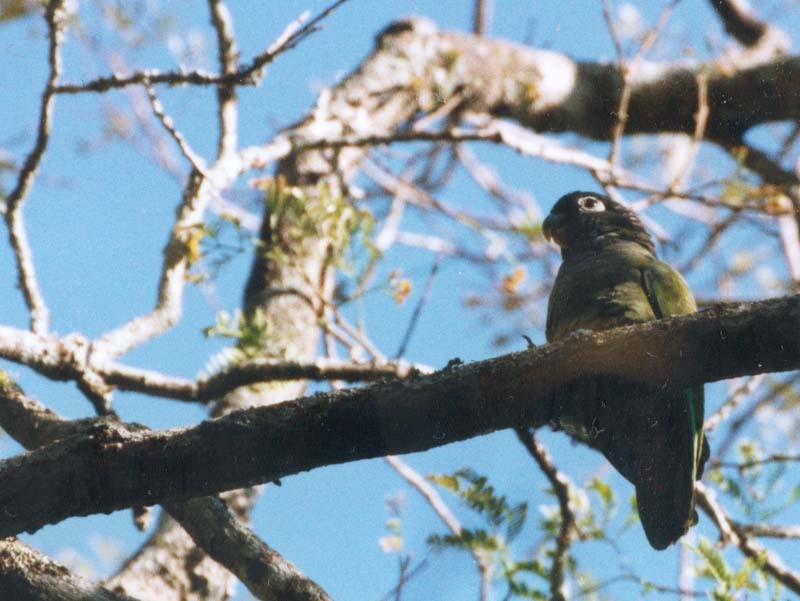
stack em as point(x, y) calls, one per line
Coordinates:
point(413, 68)
point(112, 468)
point(27, 575)
point(548, 91)
point(289, 292)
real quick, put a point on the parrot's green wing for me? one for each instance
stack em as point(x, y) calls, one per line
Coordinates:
point(669, 295)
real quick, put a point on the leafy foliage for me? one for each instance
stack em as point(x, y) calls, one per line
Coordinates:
point(729, 581)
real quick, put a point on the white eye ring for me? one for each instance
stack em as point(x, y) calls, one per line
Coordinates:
point(590, 203)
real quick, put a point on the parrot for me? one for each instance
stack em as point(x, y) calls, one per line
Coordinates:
point(610, 276)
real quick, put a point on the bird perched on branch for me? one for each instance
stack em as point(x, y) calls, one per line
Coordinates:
point(652, 434)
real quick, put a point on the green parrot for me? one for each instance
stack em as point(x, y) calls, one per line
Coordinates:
point(610, 276)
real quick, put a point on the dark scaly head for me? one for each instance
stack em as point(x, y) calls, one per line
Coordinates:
point(586, 221)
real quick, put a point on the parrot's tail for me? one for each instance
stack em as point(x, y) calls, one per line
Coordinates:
point(666, 468)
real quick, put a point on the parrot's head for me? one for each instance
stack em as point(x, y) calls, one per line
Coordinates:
point(582, 221)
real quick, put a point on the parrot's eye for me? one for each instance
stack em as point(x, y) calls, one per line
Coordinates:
point(590, 203)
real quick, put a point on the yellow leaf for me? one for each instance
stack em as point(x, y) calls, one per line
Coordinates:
point(513, 280)
point(194, 249)
point(400, 290)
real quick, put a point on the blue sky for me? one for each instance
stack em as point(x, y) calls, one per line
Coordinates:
point(98, 220)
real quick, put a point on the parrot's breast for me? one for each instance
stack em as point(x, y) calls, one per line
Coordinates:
point(599, 292)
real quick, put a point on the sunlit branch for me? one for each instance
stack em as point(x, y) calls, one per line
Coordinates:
point(244, 75)
point(745, 465)
point(628, 69)
point(736, 398)
point(732, 533)
point(494, 131)
point(769, 530)
point(440, 508)
point(18, 237)
point(742, 420)
point(196, 161)
point(248, 372)
point(228, 55)
point(561, 487)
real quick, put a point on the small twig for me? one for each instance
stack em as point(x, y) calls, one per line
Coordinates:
point(745, 465)
point(737, 424)
point(747, 387)
point(487, 178)
point(711, 239)
point(701, 119)
point(245, 75)
point(482, 17)
point(196, 161)
point(626, 69)
point(772, 172)
point(789, 142)
point(770, 530)
point(732, 533)
point(434, 499)
point(408, 574)
point(291, 36)
point(412, 324)
point(560, 485)
point(497, 132)
point(641, 582)
point(18, 237)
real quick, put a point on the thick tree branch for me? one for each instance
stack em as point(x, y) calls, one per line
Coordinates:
point(548, 91)
point(112, 468)
point(27, 575)
point(266, 573)
point(739, 22)
point(209, 522)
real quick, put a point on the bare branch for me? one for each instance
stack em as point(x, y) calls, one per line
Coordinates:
point(432, 497)
point(18, 237)
point(628, 69)
point(769, 530)
point(743, 25)
point(195, 160)
point(736, 398)
point(701, 119)
point(482, 17)
point(265, 573)
point(228, 114)
point(27, 574)
point(207, 520)
point(250, 372)
point(244, 75)
point(745, 465)
point(560, 485)
point(732, 533)
point(497, 132)
point(121, 468)
point(412, 324)
point(197, 194)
